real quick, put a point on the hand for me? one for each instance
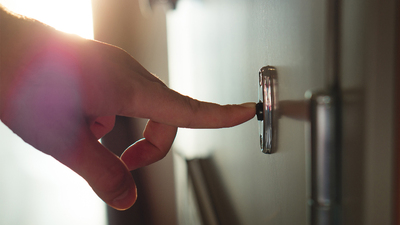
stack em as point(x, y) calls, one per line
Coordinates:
point(64, 96)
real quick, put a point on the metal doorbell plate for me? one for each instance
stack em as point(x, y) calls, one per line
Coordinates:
point(267, 109)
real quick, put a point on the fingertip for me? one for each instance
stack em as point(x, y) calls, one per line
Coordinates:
point(115, 186)
point(105, 172)
point(157, 141)
point(141, 154)
point(250, 105)
point(125, 200)
point(234, 115)
point(251, 109)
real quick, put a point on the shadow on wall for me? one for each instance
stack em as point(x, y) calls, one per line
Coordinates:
point(213, 202)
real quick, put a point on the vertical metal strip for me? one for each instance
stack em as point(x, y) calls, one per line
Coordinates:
point(325, 177)
point(326, 130)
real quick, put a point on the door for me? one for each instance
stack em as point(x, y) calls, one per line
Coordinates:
point(216, 48)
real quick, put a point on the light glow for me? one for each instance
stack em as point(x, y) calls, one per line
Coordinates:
point(35, 188)
point(73, 16)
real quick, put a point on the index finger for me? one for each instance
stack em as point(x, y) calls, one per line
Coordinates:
point(164, 105)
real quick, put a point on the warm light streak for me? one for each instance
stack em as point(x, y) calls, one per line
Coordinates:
point(72, 16)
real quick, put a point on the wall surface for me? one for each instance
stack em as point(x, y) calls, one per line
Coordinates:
point(216, 49)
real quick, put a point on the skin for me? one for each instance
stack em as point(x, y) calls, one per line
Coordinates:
point(61, 93)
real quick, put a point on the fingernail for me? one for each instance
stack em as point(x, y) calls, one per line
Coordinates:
point(122, 196)
point(125, 200)
point(249, 105)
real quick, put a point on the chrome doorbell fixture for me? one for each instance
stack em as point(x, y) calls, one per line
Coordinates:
point(267, 109)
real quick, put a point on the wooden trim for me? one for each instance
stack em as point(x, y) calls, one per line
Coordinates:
point(397, 123)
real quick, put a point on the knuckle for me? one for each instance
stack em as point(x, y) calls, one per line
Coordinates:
point(111, 179)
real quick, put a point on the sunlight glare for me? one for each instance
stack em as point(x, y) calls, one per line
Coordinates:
point(73, 16)
point(37, 189)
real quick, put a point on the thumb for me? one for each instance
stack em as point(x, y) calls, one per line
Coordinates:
point(104, 171)
point(156, 143)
